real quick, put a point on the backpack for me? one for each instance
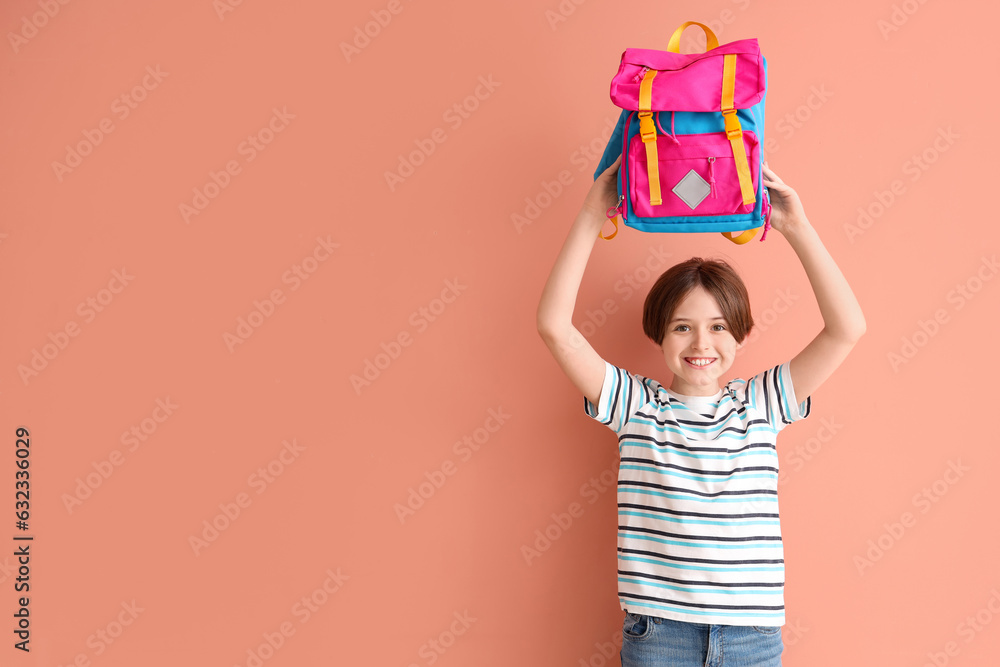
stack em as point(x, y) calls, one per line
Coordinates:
point(691, 134)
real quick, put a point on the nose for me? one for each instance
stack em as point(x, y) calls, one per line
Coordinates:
point(701, 340)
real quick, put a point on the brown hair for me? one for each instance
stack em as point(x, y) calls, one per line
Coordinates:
point(718, 278)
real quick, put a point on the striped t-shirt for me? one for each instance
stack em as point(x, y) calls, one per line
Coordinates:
point(699, 538)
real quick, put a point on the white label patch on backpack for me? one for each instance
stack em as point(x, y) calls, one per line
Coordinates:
point(692, 189)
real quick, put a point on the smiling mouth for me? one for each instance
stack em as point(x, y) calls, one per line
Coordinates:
point(699, 362)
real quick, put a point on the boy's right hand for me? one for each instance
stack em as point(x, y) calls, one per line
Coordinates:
point(582, 364)
point(603, 193)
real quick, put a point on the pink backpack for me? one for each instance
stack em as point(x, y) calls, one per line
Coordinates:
point(691, 134)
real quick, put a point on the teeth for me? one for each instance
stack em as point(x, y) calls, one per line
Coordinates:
point(700, 362)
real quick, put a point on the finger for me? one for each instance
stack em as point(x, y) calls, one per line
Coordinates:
point(770, 175)
point(776, 187)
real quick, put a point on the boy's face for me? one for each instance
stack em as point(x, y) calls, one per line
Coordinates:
point(697, 332)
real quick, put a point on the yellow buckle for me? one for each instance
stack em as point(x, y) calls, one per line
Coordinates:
point(733, 128)
point(647, 130)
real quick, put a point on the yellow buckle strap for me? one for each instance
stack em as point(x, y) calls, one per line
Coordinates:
point(614, 220)
point(734, 131)
point(647, 130)
point(743, 236)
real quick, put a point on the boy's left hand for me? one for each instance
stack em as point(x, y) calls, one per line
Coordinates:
point(786, 207)
point(603, 193)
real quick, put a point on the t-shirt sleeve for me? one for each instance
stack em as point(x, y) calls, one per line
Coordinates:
point(622, 395)
point(770, 393)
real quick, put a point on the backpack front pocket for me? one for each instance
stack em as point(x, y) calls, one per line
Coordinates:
point(697, 174)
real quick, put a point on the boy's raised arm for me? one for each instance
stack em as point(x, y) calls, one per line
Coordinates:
point(843, 321)
point(581, 363)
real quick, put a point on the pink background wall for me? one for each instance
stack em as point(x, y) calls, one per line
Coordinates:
point(229, 161)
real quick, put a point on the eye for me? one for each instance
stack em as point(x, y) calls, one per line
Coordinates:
point(721, 327)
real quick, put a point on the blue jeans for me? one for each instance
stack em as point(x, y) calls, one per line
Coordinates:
point(651, 641)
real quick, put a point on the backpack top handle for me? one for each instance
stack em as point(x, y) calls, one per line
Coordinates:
point(674, 46)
